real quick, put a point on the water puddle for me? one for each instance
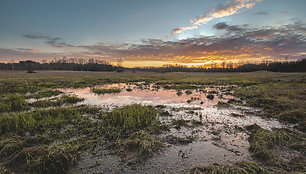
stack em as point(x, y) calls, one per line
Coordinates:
point(210, 134)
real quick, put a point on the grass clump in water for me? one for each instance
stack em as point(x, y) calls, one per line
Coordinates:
point(104, 91)
point(222, 104)
point(264, 142)
point(179, 92)
point(282, 100)
point(188, 92)
point(130, 127)
point(143, 143)
point(45, 160)
point(292, 116)
point(45, 94)
point(65, 99)
point(238, 168)
point(181, 86)
point(121, 122)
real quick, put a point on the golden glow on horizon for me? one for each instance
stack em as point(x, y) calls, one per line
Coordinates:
point(216, 62)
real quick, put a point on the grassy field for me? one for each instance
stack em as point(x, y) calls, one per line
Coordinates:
point(48, 134)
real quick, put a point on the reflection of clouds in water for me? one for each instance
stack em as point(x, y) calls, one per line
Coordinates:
point(140, 96)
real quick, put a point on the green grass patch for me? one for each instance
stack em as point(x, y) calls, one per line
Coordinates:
point(45, 94)
point(105, 91)
point(12, 103)
point(131, 127)
point(41, 120)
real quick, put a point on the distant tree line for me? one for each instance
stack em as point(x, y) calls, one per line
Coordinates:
point(58, 65)
point(292, 66)
point(98, 65)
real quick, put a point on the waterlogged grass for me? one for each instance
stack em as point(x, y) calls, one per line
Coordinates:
point(18, 102)
point(56, 102)
point(265, 144)
point(264, 141)
point(131, 127)
point(283, 100)
point(45, 94)
point(45, 159)
point(143, 143)
point(181, 86)
point(105, 91)
point(25, 138)
point(238, 168)
point(40, 120)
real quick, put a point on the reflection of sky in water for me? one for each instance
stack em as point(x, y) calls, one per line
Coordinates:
point(148, 95)
point(143, 96)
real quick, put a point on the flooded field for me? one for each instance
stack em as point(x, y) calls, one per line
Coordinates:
point(59, 122)
point(209, 132)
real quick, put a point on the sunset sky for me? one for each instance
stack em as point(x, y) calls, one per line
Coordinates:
point(153, 32)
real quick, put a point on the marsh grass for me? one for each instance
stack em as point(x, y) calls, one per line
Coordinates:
point(47, 160)
point(128, 119)
point(56, 102)
point(27, 138)
point(45, 94)
point(132, 126)
point(11, 145)
point(12, 103)
point(181, 86)
point(283, 100)
point(263, 142)
point(143, 143)
point(105, 91)
point(238, 168)
point(40, 120)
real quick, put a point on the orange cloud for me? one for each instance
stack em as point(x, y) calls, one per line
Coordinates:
point(230, 9)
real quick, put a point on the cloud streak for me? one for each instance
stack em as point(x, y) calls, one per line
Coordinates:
point(52, 41)
point(231, 7)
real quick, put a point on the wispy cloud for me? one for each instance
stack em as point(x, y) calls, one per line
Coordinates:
point(231, 7)
point(52, 41)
